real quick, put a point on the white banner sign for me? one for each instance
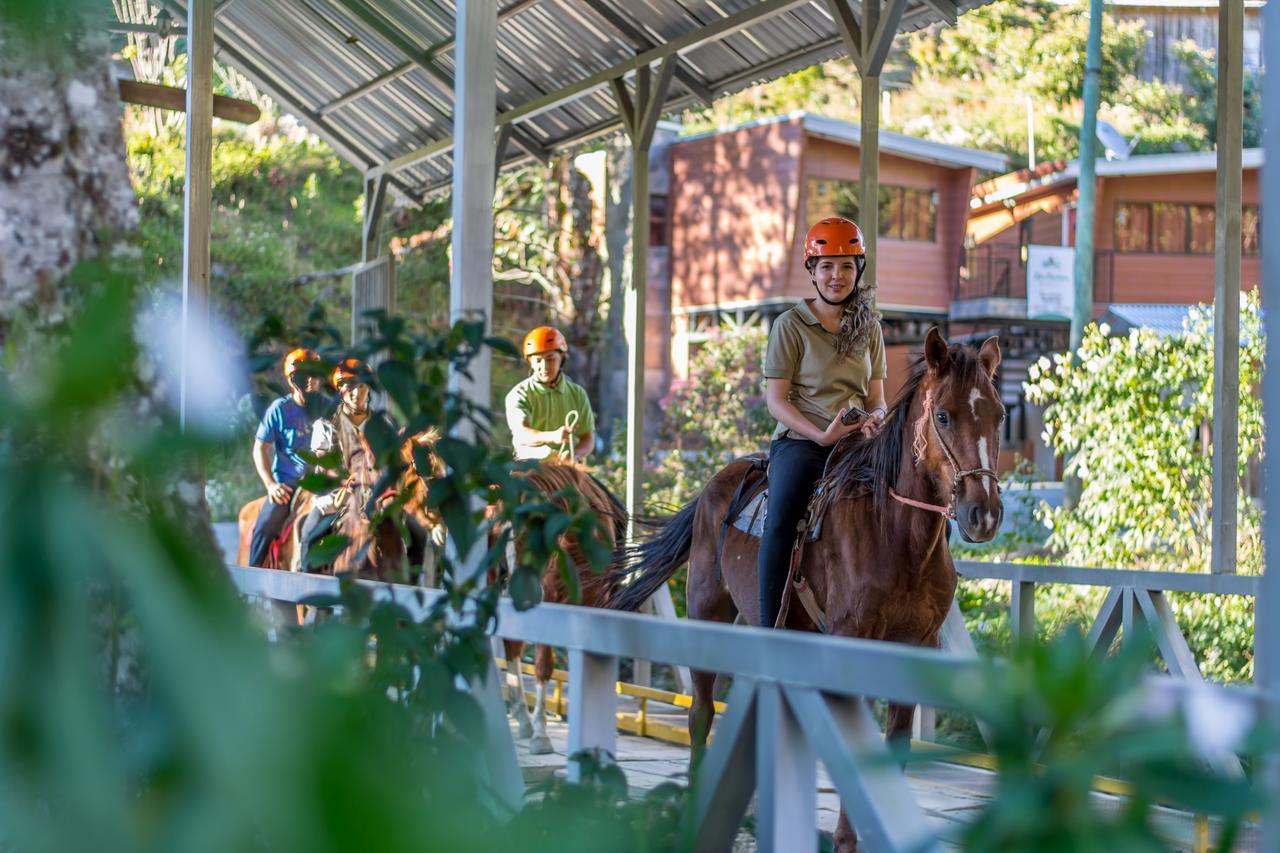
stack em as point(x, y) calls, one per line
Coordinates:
point(1051, 290)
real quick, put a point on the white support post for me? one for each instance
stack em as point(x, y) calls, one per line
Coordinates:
point(640, 119)
point(1267, 607)
point(593, 707)
point(198, 188)
point(786, 777)
point(1226, 276)
point(471, 298)
point(471, 278)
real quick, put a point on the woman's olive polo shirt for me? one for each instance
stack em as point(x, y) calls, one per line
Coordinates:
point(822, 383)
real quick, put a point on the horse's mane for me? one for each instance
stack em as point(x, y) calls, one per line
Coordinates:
point(553, 476)
point(869, 466)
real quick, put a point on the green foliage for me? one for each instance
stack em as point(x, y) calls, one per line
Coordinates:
point(281, 207)
point(1130, 413)
point(1060, 717)
point(1035, 48)
point(709, 419)
point(144, 710)
point(969, 85)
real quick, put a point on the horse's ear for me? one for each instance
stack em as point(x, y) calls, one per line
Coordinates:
point(989, 355)
point(936, 351)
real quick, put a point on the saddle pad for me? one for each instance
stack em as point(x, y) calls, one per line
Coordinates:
point(751, 520)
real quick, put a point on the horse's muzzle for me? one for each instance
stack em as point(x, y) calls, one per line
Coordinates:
point(978, 521)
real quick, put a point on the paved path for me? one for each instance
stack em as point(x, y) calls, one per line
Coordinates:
point(949, 794)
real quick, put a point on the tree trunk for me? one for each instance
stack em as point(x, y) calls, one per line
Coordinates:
point(64, 184)
point(65, 195)
point(578, 270)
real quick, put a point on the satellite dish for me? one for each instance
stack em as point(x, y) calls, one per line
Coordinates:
point(1118, 148)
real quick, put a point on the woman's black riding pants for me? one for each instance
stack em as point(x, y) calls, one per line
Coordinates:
point(795, 466)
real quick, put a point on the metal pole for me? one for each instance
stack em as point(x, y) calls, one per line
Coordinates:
point(475, 94)
point(1087, 180)
point(869, 141)
point(1267, 630)
point(635, 320)
point(1226, 275)
point(198, 188)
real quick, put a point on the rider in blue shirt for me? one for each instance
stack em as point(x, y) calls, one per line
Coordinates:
point(285, 429)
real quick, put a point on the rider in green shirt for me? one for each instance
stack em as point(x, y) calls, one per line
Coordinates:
point(549, 413)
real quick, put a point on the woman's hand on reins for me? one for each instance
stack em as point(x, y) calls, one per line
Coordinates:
point(838, 429)
point(871, 424)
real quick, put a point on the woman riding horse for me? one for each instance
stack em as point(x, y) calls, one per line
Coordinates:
point(872, 561)
point(824, 355)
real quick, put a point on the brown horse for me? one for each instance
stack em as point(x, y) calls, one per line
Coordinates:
point(880, 568)
point(551, 478)
point(374, 553)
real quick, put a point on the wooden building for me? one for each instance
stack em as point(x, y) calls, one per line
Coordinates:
point(1153, 245)
point(740, 201)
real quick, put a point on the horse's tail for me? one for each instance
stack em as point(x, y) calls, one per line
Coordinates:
point(656, 559)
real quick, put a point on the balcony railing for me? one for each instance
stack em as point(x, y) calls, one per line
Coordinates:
point(999, 271)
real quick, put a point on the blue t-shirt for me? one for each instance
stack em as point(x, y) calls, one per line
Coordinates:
point(286, 427)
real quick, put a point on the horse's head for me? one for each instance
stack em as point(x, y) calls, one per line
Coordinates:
point(957, 434)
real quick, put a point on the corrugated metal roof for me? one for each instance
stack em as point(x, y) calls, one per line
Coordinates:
point(374, 77)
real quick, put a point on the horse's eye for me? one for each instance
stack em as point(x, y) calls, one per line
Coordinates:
point(943, 418)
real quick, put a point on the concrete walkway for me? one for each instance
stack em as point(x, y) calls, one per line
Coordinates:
point(949, 794)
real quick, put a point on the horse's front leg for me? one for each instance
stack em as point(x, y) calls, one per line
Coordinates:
point(897, 728)
point(846, 840)
point(516, 704)
point(540, 743)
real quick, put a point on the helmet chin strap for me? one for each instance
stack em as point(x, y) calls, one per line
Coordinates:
point(852, 293)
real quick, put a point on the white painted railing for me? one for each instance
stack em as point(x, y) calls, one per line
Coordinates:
point(796, 699)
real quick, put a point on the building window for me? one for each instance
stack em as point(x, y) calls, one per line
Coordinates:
point(1249, 228)
point(1169, 227)
point(1133, 227)
point(657, 220)
point(905, 213)
point(1178, 229)
point(1200, 230)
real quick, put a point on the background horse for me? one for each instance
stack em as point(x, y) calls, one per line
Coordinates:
point(881, 568)
point(550, 478)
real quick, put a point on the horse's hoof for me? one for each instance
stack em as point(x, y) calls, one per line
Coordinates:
point(540, 745)
point(526, 729)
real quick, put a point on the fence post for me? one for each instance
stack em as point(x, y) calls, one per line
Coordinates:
point(1022, 612)
point(786, 777)
point(593, 706)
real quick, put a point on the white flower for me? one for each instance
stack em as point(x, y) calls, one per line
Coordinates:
point(1217, 720)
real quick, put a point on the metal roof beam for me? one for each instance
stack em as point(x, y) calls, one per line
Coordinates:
point(946, 9)
point(347, 148)
point(687, 42)
point(400, 70)
point(848, 29)
point(882, 41)
point(422, 58)
point(641, 41)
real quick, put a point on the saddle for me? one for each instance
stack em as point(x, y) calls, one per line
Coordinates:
point(748, 510)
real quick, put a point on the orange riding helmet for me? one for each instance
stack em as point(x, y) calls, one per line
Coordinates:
point(296, 357)
point(351, 369)
point(834, 236)
point(544, 339)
